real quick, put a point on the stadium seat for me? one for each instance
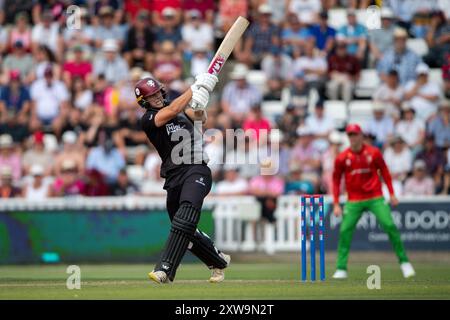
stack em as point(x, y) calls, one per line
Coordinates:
point(418, 46)
point(337, 18)
point(336, 110)
point(436, 76)
point(272, 108)
point(136, 174)
point(360, 110)
point(367, 84)
point(258, 79)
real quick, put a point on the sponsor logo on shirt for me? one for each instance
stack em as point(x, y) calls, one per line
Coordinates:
point(200, 181)
point(171, 128)
point(360, 171)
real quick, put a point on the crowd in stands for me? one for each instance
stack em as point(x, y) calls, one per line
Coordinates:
point(69, 123)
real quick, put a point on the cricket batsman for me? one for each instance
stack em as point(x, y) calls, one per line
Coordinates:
point(361, 165)
point(187, 176)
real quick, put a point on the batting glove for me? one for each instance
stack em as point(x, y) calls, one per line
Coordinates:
point(206, 80)
point(200, 98)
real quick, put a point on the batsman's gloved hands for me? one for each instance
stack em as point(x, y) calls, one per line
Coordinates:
point(206, 80)
point(200, 98)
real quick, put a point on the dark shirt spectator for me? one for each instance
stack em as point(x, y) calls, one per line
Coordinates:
point(123, 185)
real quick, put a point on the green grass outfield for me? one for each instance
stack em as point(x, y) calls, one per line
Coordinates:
point(263, 280)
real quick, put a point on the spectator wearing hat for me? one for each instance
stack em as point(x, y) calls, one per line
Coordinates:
point(306, 10)
point(238, 95)
point(108, 29)
point(390, 93)
point(422, 94)
point(380, 125)
point(434, 158)
point(110, 64)
point(38, 155)
point(343, 72)
point(399, 58)
point(438, 40)
point(381, 40)
point(68, 182)
point(14, 99)
point(229, 11)
point(162, 8)
point(294, 36)
point(197, 31)
point(18, 60)
point(72, 151)
point(139, 42)
point(20, 31)
point(46, 32)
point(256, 124)
point(231, 184)
point(77, 67)
point(354, 35)
point(168, 29)
point(38, 188)
point(276, 66)
point(411, 129)
point(50, 98)
point(261, 36)
point(420, 183)
point(7, 188)
point(439, 126)
point(9, 157)
point(323, 34)
point(398, 158)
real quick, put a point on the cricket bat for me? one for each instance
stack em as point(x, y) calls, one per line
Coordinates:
point(227, 45)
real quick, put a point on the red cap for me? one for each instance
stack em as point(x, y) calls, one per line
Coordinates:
point(38, 137)
point(353, 128)
point(14, 74)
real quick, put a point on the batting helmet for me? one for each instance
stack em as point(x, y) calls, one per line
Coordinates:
point(147, 87)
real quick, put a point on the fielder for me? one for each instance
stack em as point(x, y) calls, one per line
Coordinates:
point(361, 165)
point(187, 183)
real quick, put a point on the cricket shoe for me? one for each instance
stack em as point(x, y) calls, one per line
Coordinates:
point(407, 270)
point(159, 277)
point(340, 274)
point(218, 275)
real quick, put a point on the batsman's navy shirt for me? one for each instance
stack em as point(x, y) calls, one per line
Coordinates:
point(179, 143)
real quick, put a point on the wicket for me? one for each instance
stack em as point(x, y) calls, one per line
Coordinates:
point(312, 248)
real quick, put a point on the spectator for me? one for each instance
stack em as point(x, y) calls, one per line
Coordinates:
point(21, 31)
point(82, 97)
point(314, 67)
point(354, 36)
point(261, 36)
point(239, 95)
point(327, 160)
point(294, 36)
point(152, 164)
point(229, 11)
point(390, 93)
point(423, 94)
point(256, 123)
point(267, 189)
point(420, 183)
point(169, 30)
point(37, 189)
point(343, 72)
point(139, 43)
point(17, 126)
point(197, 31)
point(108, 29)
point(232, 184)
point(299, 93)
point(434, 158)
point(123, 186)
point(10, 158)
point(277, 67)
point(399, 58)
point(205, 7)
point(381, 125)
point(289, 122)
point(411, 129)
point(439, 127)
point(110, 64)
point(199, 61)
point(95, 185)
point(324, 35)
point(84, 36)
point(446, 77)
point(168, 63)
point(38, 155)
point(50, 98)
point(77, 67)
point(398, 158)
point(7, 189)
point(71, 150)
point(106, 159)
point(18, 60)
point(381, 40)
point(14, 99)
point(245, 157)
point(320, 125)
point(129, 134)
point(295, 183)
point(47, 33)
point(44, 57)
point(306, 10)
point(438, 40)
point(164, 8)
point(68, 182)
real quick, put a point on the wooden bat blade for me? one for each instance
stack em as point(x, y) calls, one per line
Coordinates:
point(228, 43)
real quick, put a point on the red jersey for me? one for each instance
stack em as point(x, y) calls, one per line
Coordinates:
point(362, 174)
